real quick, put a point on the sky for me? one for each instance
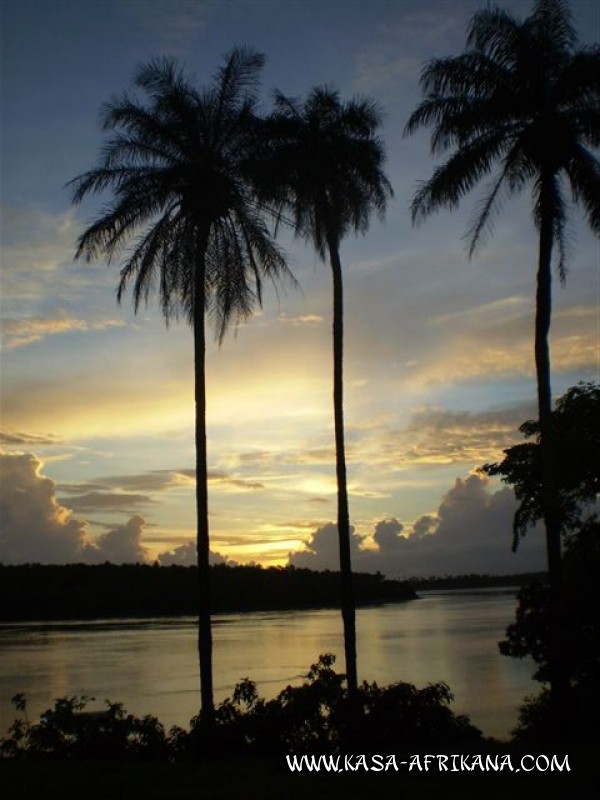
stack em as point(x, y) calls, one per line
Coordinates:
point(97, 445)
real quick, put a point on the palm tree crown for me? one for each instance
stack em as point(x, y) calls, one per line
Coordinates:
point(521, 96)
point(326, 165)
point(180, 167)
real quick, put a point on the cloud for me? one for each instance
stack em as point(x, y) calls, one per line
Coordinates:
point(23, 332)
point(120, 545)
point(301, 319)
point(35, 245)
point(494, 340)
point(16, 439)
point(173, 22)
point(232, 482)
point(471, 532)
point(37, 262)
point(395, 56)
point(322, 549)
point(387, 535)
point(93, 496)
point(185, 555)
point(34, 526)
point(158, 480)
point(107, 501)
point(438, 436)
point(37, 528)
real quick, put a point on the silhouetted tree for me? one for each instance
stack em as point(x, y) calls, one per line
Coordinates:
point(179, 166)
point(530, 635)
point(324, 169)
point(524, 98)
point(576, 436)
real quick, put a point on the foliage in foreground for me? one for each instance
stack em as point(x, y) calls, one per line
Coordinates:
point(314, 717)
point(581, 725)
point(528, 634)
point(576, 435)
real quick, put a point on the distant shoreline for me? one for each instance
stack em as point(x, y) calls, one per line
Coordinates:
point(48, 593)
point(474, 581)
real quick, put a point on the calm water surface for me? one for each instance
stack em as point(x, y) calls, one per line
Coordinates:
point(151, 665)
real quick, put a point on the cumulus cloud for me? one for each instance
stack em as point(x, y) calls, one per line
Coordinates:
point(185, 555)
point(387, 535)
point(120, 545)
point(35, 527)
point(322, 549)
point(471, 532)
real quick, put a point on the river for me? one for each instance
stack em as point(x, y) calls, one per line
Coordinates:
point(151, 665)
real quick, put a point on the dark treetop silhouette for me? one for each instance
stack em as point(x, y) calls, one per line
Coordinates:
point(576, 436)
point(179, 166)
point(324, 169)
point(524, 98)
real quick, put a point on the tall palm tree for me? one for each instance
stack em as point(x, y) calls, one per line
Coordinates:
point(525, 99)
point(179, 166)
point(324, 169)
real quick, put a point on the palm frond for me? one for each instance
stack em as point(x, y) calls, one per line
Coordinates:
point(237, 78)
point(583, 169)
point(552, 22)
point(454, 179)
point(496, 33)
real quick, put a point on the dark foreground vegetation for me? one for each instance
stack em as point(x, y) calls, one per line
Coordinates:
point(316, 717)
point(78, 591)
point(259, 779)
point(382, 744)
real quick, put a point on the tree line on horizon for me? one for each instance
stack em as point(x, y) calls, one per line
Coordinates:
point(200, 183)
point(110, 591)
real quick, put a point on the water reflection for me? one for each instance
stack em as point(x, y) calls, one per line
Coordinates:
point(151, 665)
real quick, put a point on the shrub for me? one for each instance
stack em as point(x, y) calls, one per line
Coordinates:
point(315, 717)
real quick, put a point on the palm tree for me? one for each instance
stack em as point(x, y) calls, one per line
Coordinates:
point(324, 169)
point(525, 99)
point(179, 167)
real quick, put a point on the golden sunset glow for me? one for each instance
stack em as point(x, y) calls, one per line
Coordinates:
point(98, 402)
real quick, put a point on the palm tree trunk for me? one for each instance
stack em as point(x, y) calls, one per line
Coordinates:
point(343, 517)
point(202, 535)
point(559, 678)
